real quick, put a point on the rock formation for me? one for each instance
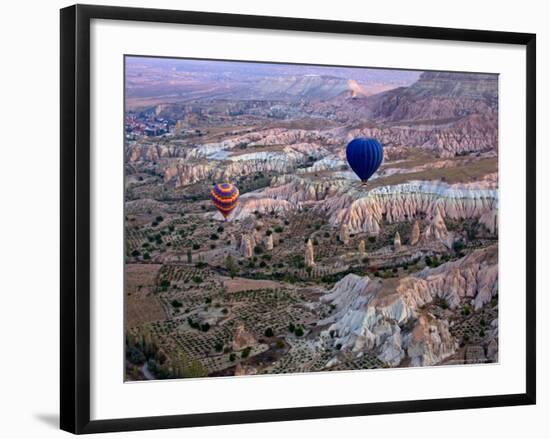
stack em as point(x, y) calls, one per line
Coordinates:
point(473, 278)
point(248, 205)
point(404, 202)
point(365, 212)
point(344, 234)
point(415, 234)
point(392, 323)
point(429, 342)
point(397, 242)
point(233, 243)
point(436, 230)
point(245, 370)
point(361, 247)
point(246, 246)
point(268, 242)
point(309, 260)
point(242, 338)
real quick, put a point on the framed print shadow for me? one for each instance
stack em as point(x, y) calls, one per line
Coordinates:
point(341, 225)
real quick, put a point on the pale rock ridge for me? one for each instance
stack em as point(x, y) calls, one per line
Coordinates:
point(404, 202)
point(250, 204)
point(182, 172)
point(364, 211)
point(391, 323)
point(299, 190)
point(473, 278)
point(473, 133)
point(326, 163)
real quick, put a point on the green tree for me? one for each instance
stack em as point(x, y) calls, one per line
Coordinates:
point(231, 266)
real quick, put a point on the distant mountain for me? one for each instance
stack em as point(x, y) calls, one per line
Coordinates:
point(437, 95)
point(310, 87)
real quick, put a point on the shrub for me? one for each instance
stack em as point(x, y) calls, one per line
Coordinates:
point(218, 347)
point(159, 218)
point(205, 327)
point(291, 327)
point(278, 229)
point(246, 352)
point(280, 344)
point(268, 332)
point(232, 357)
point(214, 236)
point(135, 356)
point(196, 246)
point(299, 332)
point(146, 256)
point(136, 253)
point(197, 279)
point(176, 303)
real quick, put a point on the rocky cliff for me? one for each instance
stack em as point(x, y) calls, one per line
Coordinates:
point(438, 95)
point(363, 211)
point(389, 320)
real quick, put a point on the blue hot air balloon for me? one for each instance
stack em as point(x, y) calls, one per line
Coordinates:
point(364, 155)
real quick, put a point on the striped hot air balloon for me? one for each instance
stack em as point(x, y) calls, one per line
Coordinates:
point(225, 197)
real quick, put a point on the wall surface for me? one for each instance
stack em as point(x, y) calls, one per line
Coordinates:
point(30, 204)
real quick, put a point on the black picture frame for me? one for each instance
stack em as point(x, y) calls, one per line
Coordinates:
point(75, 217)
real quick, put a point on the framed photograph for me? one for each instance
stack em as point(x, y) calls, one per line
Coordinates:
point(268, 218)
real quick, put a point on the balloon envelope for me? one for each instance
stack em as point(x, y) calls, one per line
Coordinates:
point(364, 155)
point(225, 197)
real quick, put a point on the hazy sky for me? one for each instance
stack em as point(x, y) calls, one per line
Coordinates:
point(227, 68)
